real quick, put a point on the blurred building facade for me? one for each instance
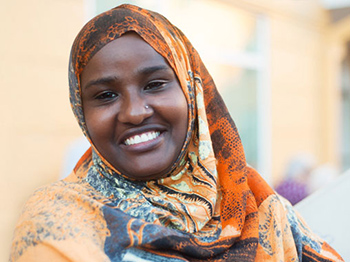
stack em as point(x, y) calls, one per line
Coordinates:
point(281, 66)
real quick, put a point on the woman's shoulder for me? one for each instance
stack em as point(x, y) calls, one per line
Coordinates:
point(64, 194)
point(64, 210)
point(60, 199)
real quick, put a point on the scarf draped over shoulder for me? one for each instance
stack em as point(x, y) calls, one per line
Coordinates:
point(210, 207)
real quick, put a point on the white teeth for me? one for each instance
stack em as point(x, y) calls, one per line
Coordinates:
point(144, 137)
point(141, 138)
point(137, 139)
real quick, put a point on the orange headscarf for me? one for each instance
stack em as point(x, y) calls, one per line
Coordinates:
point(210, 207)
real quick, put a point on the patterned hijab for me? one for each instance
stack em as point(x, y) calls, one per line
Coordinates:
point(189, 198)
point(210, 207)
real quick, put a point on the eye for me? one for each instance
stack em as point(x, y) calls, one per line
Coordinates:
point(155, 85)
point(106, 95)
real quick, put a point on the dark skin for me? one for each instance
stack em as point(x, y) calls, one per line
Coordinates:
point(135, 110)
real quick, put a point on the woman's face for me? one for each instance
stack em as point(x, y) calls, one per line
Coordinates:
point(135, 111)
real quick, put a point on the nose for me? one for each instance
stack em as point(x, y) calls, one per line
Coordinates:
point(134, 110)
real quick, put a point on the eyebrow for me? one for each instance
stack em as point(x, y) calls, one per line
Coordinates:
point(143, 71)
point(152, 69)
point(102, 80)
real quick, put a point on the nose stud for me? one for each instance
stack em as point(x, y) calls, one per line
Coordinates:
point(146, 107)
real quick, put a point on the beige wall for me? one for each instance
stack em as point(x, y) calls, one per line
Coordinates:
point(305, 61)
point(297, 85)
point(339, 35)
point(304, 79)
point(37, 123)
point(36, 119)
point(299, 32)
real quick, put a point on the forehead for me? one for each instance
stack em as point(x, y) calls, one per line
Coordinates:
point(128, 50)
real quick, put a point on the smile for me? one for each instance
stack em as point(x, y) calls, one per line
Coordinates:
point(145, 137)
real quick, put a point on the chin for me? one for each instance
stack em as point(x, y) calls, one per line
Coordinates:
point(148, 176)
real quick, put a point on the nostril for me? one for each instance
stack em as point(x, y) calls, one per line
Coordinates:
point(134, 112)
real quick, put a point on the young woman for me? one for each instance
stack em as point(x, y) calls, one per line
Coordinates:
point(165, 178)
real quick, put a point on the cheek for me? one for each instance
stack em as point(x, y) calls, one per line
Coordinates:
point(180, 113)
point(183, 107)
point(184, 114)
point(97, 123)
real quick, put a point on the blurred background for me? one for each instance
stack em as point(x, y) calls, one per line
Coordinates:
point(282, 66)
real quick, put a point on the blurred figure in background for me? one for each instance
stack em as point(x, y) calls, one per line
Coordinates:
point(321, 176)
point(303, 177)
point(295, 185)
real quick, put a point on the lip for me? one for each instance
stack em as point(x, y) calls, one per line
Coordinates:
point(138, 131)
point(144, 146)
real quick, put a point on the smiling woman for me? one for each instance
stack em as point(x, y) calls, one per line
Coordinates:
point(165, 178)
point(134, 108)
